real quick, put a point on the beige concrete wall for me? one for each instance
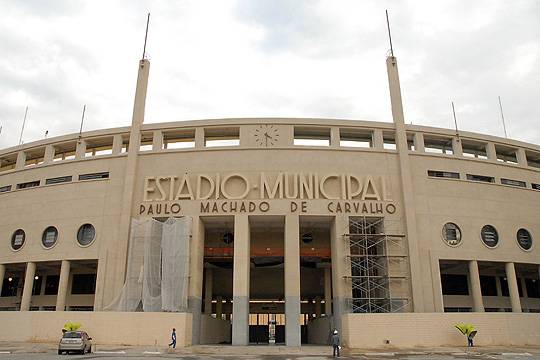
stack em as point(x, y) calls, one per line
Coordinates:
point(319, 330)
point(214, 331)
point(104, 327)
point(425, 329)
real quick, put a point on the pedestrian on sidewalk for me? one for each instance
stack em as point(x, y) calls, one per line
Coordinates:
point(173, 338)
point(335, 343)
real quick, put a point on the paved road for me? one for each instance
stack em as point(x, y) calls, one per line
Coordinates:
point(367, 356)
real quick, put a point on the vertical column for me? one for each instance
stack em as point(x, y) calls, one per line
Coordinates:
point(378, 142)
point(208, 288)
point(157, 140)
point(491, 151)
point(521, 157)
point(474, 279)
point(438, 303)
point(241, 269)
point(199, 138)
point(219, 307)
point(21, 160)
point(2, 274)
point(327, 291)
point(28, 285)
point(457, 149)
point(513, 287)
point(334, 137)
point(292, 280)
point(49, 154)
point(63, 286)
point(407, 189)
point(117, 144)
point(196, 268)
point(419, 142)
point(80, 151)
point(341, 268)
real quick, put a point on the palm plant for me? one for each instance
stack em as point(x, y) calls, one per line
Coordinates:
point(468, 330)
point(71, 326)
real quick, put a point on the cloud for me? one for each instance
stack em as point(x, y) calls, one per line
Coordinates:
point(213, 59)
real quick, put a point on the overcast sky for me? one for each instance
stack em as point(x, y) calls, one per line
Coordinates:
point(268, 58)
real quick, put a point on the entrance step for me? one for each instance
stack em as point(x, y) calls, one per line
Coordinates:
point(311, 350)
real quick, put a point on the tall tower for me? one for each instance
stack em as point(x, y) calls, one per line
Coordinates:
point(409, 206)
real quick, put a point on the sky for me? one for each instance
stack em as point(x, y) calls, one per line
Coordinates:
point(268, 58)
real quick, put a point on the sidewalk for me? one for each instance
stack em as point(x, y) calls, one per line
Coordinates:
point(307, 350)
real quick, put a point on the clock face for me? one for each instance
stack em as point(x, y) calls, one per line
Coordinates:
point(266, 135)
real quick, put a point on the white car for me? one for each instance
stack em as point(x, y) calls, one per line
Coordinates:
point(75, 341)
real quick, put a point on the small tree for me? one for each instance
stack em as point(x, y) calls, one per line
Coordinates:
point(468, 330)
point(71, 326)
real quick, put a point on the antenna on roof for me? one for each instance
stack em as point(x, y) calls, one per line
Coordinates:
point(24, 122)
point(502, 117)
point(82, 122)
point(455, 120)
point(146, 36)
point(389, 34)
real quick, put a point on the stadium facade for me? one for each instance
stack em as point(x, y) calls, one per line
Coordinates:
point(271, 230)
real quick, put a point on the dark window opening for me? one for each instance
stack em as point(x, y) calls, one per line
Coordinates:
point(9, 288)
point(454, 284)
point(36, 288)
point(5, 188)
point(533, 288)
point(51, 284)
point(488, 284)
point(536, 186)
point(457, 309)
point(504, 287)
point(27, 185)
point(83, 284)
point(94, 176)
point(510, 182)
point(482, 178)
point(58, 180)
point(443, 174)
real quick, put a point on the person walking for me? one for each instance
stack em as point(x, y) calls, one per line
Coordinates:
point(335, 343)
point(173, 338)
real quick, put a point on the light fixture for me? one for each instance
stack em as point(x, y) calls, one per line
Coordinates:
point(36, 277)
point(10, 278)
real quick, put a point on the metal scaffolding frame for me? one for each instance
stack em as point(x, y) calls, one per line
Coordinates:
point(378, 264)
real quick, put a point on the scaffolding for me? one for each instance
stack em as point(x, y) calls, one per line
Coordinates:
point(379, 270)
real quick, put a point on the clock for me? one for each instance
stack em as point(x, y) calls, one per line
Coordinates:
point(266, 135)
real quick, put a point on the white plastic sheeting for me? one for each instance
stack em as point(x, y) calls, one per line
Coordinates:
point(158, 267)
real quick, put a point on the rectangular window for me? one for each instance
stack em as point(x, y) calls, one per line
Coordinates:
point(51, 284)
point(221, 137)
point(510, 182)
point(481, 178)
point(506, 155)
point(389, 141)
point(504, 287)
point(438, 145)
point(83, 284)
point(457, 309)
point(355, 138)
point(488, 285)
point(58, 180)
point(454, 284)
point(536, 186)
point(443, 174)
point(474, 149)
point(533, 288)
point(28, 184)
point(94, 176)
point(9, 288)
point(36, 288)
point(5, 188)
point(315, 136)
point(182, 139)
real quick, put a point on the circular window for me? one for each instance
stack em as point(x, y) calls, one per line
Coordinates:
point(451, 234)
point(490, 237)
point(49, 237)
point(17, 239)
point(86, 234)
point(524, 239)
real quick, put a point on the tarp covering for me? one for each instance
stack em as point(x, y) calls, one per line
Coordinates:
point(157, 267)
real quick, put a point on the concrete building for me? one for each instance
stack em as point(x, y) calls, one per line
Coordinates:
point(391, 233)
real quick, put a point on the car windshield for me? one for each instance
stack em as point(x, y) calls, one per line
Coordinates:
point(73, 335)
